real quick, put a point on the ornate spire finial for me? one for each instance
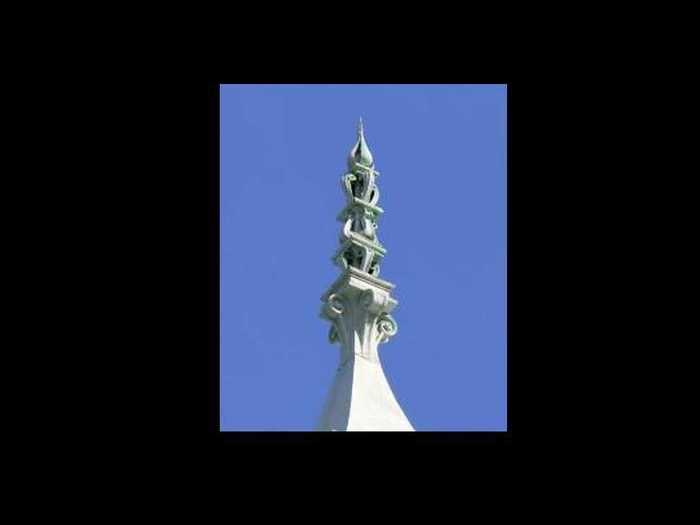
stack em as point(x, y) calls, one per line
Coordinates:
point(360, 246)
point(360, 153)
point(359, 305)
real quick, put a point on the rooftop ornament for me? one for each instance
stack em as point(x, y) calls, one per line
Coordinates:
point(358, 306)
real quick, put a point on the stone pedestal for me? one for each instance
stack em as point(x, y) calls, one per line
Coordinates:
point(358, 305)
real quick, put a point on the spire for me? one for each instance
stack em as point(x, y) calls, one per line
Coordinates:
point(360, 153)
point(359, 305)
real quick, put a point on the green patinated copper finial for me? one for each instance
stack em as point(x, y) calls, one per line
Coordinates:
point(360, 153)
point(360, 248)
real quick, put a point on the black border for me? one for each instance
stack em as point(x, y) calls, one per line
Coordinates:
point(213, 248)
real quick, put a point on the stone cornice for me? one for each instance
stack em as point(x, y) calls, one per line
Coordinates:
point(360, 279)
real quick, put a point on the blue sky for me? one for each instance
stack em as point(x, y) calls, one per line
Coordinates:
point(441, 152)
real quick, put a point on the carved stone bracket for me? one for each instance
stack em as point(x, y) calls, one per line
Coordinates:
point(358, 307)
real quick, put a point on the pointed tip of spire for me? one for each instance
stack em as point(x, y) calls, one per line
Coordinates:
point(360, 153)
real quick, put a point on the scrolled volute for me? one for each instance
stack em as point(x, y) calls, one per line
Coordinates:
point(334, 307)
point(386, 327)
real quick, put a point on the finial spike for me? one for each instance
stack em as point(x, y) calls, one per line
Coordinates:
point(360, 152)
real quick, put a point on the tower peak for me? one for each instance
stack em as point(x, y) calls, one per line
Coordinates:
point(360, 153)
point(358, 306)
